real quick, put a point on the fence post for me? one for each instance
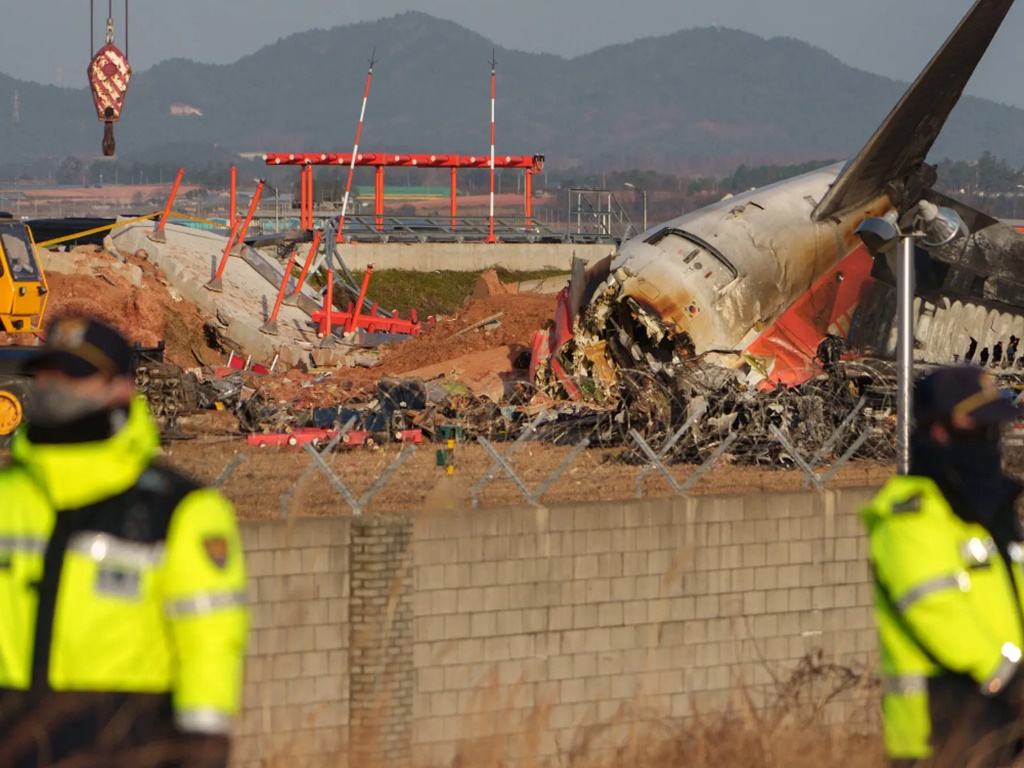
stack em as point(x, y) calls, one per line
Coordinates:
point(158, 235)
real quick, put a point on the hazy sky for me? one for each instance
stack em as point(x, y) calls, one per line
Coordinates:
point(47, 40)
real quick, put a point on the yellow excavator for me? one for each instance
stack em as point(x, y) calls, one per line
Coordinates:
point(23, 293)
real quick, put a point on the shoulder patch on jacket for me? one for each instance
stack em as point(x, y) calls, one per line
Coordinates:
point(217, 550)
point(912, 504)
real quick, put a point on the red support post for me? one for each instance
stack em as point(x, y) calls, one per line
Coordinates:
point(455, 191)
point(270, 327)
point(248, 216)
point(529, 195)
point(313, 248)
point(216, 284)
point(378, 197)
point(353, 320)
point(310, 199)
point(328, 303)
point(234, 197)
point(158, 234)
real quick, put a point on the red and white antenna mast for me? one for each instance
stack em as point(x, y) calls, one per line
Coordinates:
point(355, 147)
point(329, 297)
point(490, 232)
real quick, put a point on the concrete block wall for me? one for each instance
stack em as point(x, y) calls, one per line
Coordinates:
point(532, 624)
point(496, 635)
point(381, 642)
point(296, 698)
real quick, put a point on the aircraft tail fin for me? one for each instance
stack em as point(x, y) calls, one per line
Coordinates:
point(901, 143)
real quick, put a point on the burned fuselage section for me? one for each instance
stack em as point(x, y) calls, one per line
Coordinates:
point(706, 285)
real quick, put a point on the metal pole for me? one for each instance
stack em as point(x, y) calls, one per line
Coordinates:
point(645, 210)
point(355, 151)
point(490, 232)
point(233, 204)
point(904, 350)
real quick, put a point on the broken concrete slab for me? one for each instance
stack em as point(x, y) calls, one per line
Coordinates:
point(190, 258)
point(488, 284)
point(547, 285)
point(81, 261)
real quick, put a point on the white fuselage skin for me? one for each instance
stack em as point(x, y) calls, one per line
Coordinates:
point(775, 253)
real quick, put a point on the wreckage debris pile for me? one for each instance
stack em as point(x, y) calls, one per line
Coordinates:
point(520, 316)
point(135, 298)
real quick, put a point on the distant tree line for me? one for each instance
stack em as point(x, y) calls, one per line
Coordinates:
point(989, 183)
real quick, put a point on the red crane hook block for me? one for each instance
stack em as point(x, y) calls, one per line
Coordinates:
point(109, 73)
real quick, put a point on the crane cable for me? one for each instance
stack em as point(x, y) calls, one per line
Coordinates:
point(110, 28)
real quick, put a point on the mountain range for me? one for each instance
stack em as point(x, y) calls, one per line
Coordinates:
point(695, 100)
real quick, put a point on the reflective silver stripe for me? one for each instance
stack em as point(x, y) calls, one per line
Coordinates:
point(119, 582)
point(1005, 670)
point(959, 580)
point(904, 685)
point(978, 551)
point(103, 548)
point(22, 544)
point(211, 721)
point(203, 602)
point(1016, 551)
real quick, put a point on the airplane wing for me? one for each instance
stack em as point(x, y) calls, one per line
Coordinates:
point(901, 143)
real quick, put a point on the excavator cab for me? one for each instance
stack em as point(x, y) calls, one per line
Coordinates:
point(23, 286)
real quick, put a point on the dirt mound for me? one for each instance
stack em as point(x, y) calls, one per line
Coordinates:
point(92, 282)
point(523, 314)
point(185, 340)
point(133, 311)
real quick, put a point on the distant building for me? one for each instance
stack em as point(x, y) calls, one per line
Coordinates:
point(184, 109)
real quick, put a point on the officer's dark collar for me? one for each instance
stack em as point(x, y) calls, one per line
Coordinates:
point(101, 425)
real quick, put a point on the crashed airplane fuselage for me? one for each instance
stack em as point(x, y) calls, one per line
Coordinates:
point(710, 283)
point(758, 280)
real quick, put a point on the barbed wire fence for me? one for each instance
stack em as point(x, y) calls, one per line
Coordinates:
point(815, 433)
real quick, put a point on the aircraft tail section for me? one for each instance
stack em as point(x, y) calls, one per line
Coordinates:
point(900, 145)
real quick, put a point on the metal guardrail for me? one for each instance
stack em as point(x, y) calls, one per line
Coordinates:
point(445, 229)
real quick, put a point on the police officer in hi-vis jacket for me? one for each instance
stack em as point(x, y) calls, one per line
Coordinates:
point(122, 584)
point(946, 551)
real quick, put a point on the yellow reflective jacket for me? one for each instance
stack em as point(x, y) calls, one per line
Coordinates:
point(945, 602)
point(117, 576)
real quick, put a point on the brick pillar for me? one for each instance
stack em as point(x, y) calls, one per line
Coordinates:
point(380, 647)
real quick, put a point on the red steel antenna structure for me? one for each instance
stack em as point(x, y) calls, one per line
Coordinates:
point(530, 164)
